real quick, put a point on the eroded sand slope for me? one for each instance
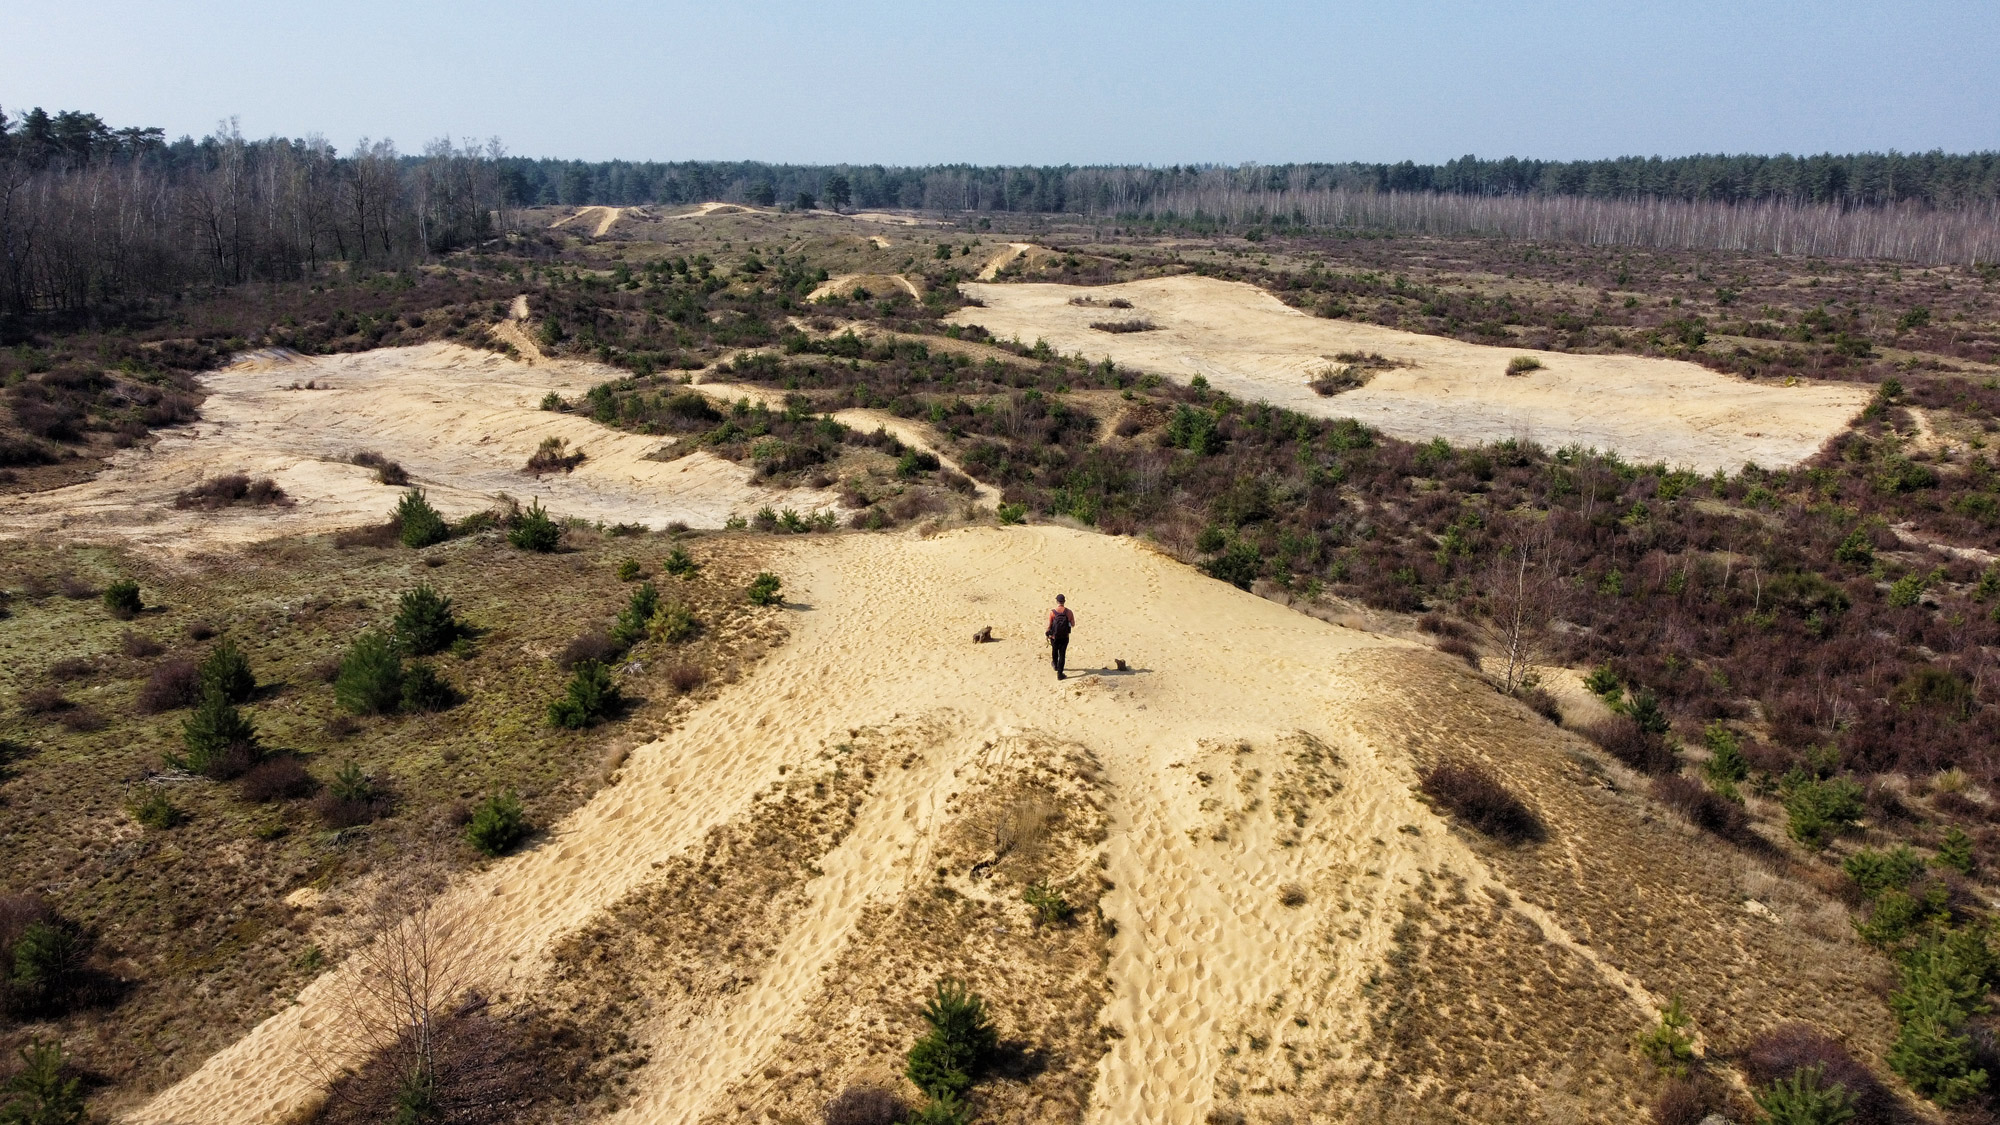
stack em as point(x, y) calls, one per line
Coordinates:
point(463, 423)
point(1248, 747)
point(1250, 344)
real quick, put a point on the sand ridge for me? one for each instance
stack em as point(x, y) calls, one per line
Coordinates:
point(847, 282)
point(1204, 941)
point(461, 422)
point(1002, 260)
point(1250, 344)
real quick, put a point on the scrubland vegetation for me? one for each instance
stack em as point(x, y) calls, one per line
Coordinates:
point(1797, 662)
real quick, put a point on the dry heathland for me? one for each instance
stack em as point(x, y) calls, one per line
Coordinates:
point(1406, 770)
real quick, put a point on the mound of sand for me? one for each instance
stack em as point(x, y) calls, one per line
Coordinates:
point(607, 217)
point(1295, 931)
point(875, 283)
point(463, 423)
point(1003, 259)
point(1250, 344)
point(712, 208)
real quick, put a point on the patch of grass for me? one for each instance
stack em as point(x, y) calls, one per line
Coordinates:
point(1522, 364)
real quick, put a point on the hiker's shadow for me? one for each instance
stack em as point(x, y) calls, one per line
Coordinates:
point(1126, 671)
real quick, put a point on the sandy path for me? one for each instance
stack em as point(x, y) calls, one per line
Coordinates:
point(607, 217)
point(711, 208)
point(1247, 342)
point(1001, 260)
point(461, 422)
point(1203, 942)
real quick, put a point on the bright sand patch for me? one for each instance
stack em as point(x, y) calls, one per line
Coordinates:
point(1250, 344)
point(1204, 941)
point(876, 283)
point(461, 422)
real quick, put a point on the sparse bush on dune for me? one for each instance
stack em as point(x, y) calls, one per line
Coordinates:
point(424, 621)
point(351, 798)
point(156, 810)
point(672, 623)
point(281, 777)
point(1624, 739)
point(173, 683)
point(686, 677)
point(680, 564)
point(218, 741)
point(386, 471)
point(370, 681)
point(865, 1105)
point(123, 600)
point(498, 823)
point(593, 645)
point(43, 959)
point(554, 456)
point(232, 488)
point(1685, 1101)
point(1700, 806)
point(43, 1091)
point(590, 696)
point(226, 672)
point(1470, 792)
point(764, 589)
point(533, 530)
point(417, 523)
point(1788, 1049)
point(632, 622)
point(953, 1053)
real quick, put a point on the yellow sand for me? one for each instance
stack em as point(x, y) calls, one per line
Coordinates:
point(1203, 942)
point(1002, 260)
point(873, 282)
point(463, 423)
point(1250, 344)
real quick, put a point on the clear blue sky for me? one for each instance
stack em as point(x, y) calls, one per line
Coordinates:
point(1063, 82)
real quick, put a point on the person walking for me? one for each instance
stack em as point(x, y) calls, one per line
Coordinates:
point(1061, 621)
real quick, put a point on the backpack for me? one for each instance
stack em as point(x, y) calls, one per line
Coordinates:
point(1060, 623)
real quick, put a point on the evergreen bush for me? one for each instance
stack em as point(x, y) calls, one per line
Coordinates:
point(498, 823)
point(534, 531)
point(417, 523)
point(590, 696)
point(370, 681)
point(424, 621)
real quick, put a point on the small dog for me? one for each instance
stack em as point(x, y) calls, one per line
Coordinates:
point(983, 636)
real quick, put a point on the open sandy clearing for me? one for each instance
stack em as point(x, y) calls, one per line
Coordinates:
point(461, 422)
point(1248, 748)
point(1250, 344)
point(607, 217)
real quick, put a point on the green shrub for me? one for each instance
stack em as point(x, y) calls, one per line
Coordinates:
point(1669, 1045)
point(630, 628)
point(1895, 914)
point(1875, 872)
point(225, 671)
point(1909, 589)
point(764, 589)
point(1051, 908)
point(1805, 1098)
point(370, 681)
point(351, 784)
point(1856, 549)
point(1211, 540)
point(1522, 364)
point(1816, 810)
point(916, 461)
point(534, 530)
point(38, 1094)
point(1645, 711)
point(498, 823)
point(1194, 429)
point(425, 690)
point(417, 523)
point(424, 621)
point(1238, 566)
point(1603, 682)
point(1944, 984)
point(157, 810)
point(942, 1109)
point(946, 1061)
point(629, 570)
point(590, 695)
point(1012, 513)
point(220, 742)
point(48, 961)
point(672, 623)
point(1954, 852)
point(680, 565)
point(122, 599)
point(1726, 764)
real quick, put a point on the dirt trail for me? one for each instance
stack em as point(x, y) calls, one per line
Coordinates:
point(461, 422)
point(712, 208)
point(1002, 260)
point(1247, 342)
point(511, 331)
point(1204, 942)
point(607, 218)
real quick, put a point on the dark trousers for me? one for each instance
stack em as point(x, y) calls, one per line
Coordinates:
point(1058, 651)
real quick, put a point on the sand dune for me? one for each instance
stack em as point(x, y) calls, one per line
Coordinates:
point(607, 217)
point(873, 282)
point(1249, 747)
point(462, 422)
point(1247, 342)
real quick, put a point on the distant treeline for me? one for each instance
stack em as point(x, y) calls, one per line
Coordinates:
point(91, 215)
point(1859, 180)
